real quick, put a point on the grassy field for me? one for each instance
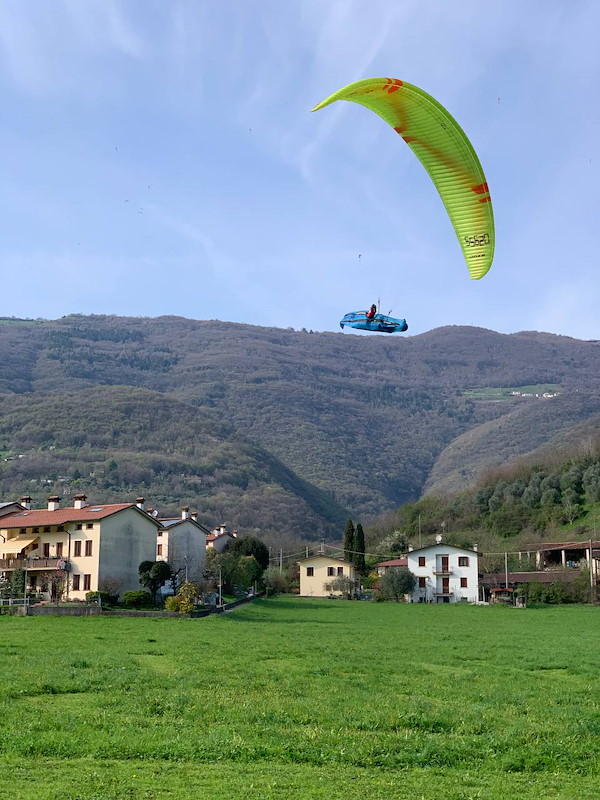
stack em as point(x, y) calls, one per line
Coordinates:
point(293, 698)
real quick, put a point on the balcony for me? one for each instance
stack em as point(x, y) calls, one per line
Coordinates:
point(443, 594)
point(442, 571)
point(32, 563)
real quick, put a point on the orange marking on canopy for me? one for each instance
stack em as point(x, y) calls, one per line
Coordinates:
point(408, 139)
point(481, 189)
point(399, 129)
point(487, 199)
point(395, 87)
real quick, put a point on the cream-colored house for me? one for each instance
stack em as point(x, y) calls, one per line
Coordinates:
point(91, 546)
point(182, 542)
point(219, 538)
point(318, 571)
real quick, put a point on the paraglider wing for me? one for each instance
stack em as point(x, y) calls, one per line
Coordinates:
point(442, 147)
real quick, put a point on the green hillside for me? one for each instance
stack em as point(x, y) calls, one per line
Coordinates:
point(363, 419)
point(119, 442)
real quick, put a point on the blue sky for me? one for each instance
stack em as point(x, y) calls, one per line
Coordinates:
point(160, 157)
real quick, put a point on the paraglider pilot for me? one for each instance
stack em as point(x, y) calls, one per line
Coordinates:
point(372, 311)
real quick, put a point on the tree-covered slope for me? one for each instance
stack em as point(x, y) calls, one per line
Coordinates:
point(363, 418)
point(524, 429)
point(119, 442)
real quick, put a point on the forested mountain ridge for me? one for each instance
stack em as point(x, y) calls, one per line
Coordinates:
point(123, 441)
point(364, 419)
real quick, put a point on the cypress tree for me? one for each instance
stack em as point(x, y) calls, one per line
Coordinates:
point(349, 541)
point(359, 547)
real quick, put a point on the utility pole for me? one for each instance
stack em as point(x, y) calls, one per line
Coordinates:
point(220, 592)
point(420, 540)
point(505, 570)
point(280, 559)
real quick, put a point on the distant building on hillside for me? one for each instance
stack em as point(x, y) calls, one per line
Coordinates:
point(89, 545)
point(318, 571)
point(445, 574)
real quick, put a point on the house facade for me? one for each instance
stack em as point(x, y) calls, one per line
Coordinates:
point(445, 574)
point(182, 542)
point(317, 571)
point(219, 538)
point(84, 547)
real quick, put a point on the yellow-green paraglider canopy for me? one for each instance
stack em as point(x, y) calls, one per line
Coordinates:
point(442, 147)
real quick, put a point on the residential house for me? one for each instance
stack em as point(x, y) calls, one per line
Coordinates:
point(182, 542)
point(219, 538)
point(89, 544)
point(383, 566)
point(444, 573)
point(318, 571)
point(10, 508)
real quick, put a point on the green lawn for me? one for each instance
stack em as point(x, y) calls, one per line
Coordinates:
point(293, 698)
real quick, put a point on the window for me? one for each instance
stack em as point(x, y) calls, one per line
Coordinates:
point(421, 561)
point(159, 533)
point(77, 551)
point(79, 526)
point(59, 549)
point(159, 550)
point(47, 529)
point(76, 579)
point(422, 583)
point(35, 530)
point(87, 583)
point(22, 530)
point(463, 583)
point(340, 570)
point(463, 561)
point(330, 571)
point(46, 549)
point(310, 571)
point(88, 547)
point(89, 526)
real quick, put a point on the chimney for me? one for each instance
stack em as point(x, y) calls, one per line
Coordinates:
point(139, 501)
point(26, 502)
point(475, 546)
point(410, 548)
point(80, 501)
point(150, 511)
point(54, 503)
point(194, 516)
point(221, 528)
point(185, 512)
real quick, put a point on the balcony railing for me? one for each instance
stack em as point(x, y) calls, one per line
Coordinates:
point(442, 571)
point(443, 594)
point(32, 563)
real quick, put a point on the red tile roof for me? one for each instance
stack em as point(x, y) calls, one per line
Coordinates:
point(41, 517)
point(212, 536)
point(395, 562)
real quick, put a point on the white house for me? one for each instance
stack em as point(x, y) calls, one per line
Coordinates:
point(445, 574)
point(182, 542)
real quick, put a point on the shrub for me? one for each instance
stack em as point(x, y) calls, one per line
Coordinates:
point(104, 598)
point(138, 599)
